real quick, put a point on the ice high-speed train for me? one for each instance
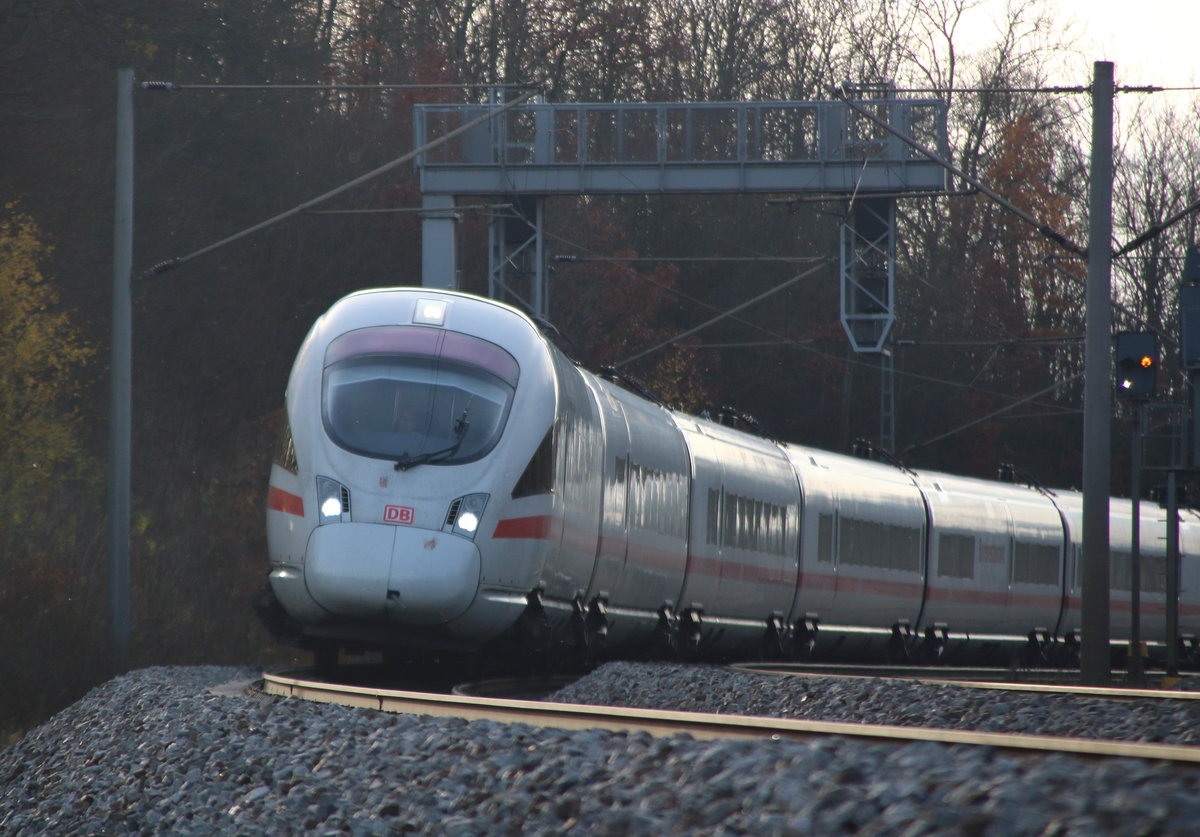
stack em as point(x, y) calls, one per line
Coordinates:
point(449, 480)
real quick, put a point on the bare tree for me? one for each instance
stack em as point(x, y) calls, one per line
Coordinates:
point(1157, 177)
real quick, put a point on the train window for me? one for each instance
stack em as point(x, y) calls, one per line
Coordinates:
point(285, 447)
point(956, 556)
point(1118, 570)
point(746, 523)
point(825, 538)
point(654, 499)
point(538, 476)
point(416, 395)
point(1154, 573)
point(1035, 563)
point(1153, 577)
point(870, 543)
point(714, 517)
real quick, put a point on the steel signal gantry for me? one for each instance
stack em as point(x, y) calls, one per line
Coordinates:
point(542, 149)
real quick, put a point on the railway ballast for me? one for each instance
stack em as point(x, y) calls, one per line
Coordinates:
point(156, 751)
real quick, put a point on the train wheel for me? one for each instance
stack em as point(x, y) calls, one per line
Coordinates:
point(933, 646)
point(690, 633)
point(665, 639)
point(899, 647)
point(774, 641)
point(803, 639)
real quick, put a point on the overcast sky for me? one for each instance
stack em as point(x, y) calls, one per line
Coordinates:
point(1150, 41)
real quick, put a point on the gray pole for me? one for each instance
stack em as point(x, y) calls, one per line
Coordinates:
point(122, 343)
point(1095, 662)
point(1172, 579)
point(1136, 670)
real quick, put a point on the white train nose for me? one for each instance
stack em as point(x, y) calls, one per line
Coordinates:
point(374, 571)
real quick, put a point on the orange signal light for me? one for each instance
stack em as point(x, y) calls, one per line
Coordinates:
point(1146, 362)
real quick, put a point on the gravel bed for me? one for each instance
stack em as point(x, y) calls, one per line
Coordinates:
point(157, 752)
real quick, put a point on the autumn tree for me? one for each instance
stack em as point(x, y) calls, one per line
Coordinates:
point(1012, 304)
point(40, 355)
point(49, 502)
point(613, 310)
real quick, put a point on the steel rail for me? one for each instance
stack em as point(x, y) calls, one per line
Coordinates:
point(970, 678)
point(697, 724)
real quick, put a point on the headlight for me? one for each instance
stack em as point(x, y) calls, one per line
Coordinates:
point(333, 501)
point(465, 514)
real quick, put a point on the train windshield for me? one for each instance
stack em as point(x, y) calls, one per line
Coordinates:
point(416, 395)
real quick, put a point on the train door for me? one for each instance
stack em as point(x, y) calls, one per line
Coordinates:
point(614, 527)
point(655, 488)
point(817, 580)
point(1036, 567)
point(702, 582)
point(579, 451)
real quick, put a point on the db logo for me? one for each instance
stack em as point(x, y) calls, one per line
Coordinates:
point(398, 514)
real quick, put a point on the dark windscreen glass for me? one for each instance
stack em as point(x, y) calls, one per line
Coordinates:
point(403, 398)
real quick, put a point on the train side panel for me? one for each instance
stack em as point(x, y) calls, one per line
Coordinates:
point(1152, 566)
point(1152, 562)
point(579, 453)
point(995, 558)
point(643, 546)
point(1037, 600)
point(1189, 579)
point(863, 555)
point(743, 550)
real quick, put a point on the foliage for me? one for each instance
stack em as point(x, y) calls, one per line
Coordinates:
point(48, 514)
point(614, 313)
point(41, 354)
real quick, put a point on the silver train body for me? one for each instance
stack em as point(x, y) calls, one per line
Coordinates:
point(449, 479)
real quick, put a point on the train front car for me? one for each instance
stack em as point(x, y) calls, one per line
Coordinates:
point(412, 415)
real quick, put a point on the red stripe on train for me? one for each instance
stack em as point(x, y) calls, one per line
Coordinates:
point(283, 501)
point(534, 528)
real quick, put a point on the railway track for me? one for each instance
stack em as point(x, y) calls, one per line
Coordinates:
point(1044, 681)
point(700, 725)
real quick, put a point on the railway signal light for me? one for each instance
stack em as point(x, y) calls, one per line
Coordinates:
point(1137, 364)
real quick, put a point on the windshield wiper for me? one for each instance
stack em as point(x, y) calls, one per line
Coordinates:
point(405, 462)
point(460, 432)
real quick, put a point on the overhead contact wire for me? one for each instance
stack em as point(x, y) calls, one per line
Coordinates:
point(1045, 229)
point(723, 315)
point(171, 264)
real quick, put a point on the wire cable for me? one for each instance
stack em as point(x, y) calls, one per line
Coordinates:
point(805, 345)
point(1158, 229)
point(993, 415)
point(723, 315)
point(1045, 229)
point(171, 264)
